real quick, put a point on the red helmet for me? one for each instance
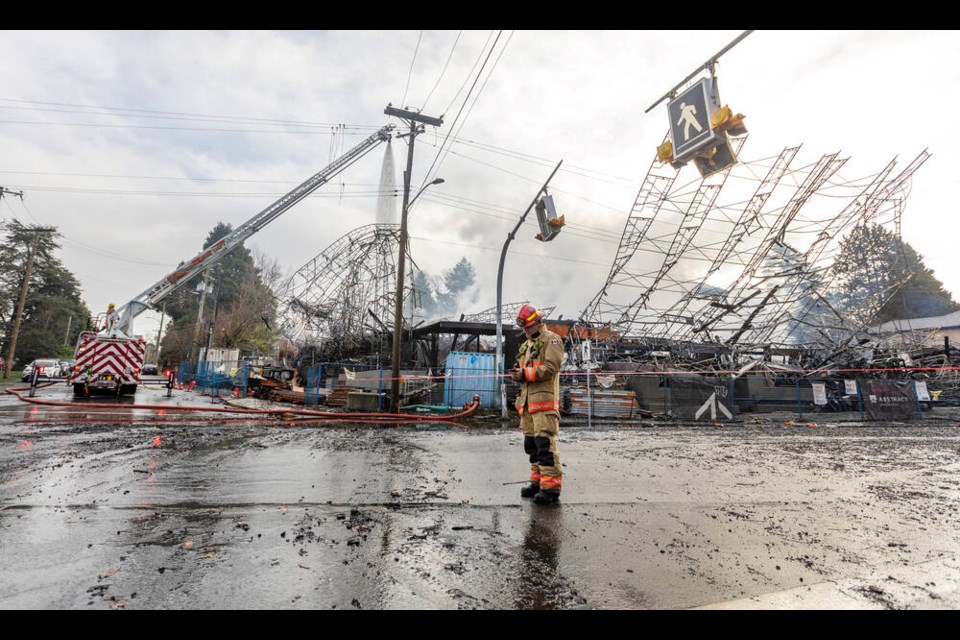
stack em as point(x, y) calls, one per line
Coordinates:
point(528, 316)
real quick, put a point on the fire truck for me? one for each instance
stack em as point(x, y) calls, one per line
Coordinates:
point(107, 360)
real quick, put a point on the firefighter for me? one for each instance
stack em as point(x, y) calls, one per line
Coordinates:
point(111, 317)
point(538, 372)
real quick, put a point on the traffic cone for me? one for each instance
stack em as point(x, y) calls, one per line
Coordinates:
point(235, 393)
point(181, 386)
point(192, 383)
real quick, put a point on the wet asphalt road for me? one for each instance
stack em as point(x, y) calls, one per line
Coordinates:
point(192, 513)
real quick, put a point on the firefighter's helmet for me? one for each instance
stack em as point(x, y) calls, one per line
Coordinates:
point(528, 316)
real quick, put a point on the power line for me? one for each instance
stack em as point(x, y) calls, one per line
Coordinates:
point(427, 175)
point(469, 74)
point(162, 128)
point(176, 115)
point(437, 84)
point(519, 253)
point(476, 98)
point(207, 194)
point(410, 73)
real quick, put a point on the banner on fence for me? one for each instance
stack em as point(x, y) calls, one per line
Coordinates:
point(695, 397)
point(888, 399)
point(819, 393)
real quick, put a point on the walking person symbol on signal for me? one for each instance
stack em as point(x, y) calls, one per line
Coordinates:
point(688, 116)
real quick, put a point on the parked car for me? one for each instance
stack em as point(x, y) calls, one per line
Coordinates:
point(48, 368)
point(149, 369)
point(66, 367)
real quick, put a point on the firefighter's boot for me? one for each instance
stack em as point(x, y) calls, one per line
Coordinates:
point(545, 496)
point(530, 447)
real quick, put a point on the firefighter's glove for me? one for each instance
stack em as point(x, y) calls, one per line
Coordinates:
point(517, 375)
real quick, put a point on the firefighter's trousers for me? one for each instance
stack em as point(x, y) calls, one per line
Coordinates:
point(540, 431)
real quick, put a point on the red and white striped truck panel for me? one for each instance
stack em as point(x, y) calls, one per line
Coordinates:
point(102, 356)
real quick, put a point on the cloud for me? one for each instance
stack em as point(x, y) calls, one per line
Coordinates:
point(197, 127)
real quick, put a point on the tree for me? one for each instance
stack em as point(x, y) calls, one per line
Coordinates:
point(457, 282)
point(880, 277)
point(424, 299)
point(240, 300)
point(244, 323)
point(228, 270)
point(53, 312)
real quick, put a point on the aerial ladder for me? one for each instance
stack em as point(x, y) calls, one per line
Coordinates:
point(215, 252)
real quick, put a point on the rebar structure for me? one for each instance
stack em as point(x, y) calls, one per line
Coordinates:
point(340, 301)
point(743, 257)
point(508, 313)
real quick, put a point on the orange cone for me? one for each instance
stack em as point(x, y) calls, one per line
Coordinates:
point(235, 393)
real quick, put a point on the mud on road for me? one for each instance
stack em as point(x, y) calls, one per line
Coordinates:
point(200, 514)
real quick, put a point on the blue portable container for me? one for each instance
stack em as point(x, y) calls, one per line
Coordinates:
point(469, 374)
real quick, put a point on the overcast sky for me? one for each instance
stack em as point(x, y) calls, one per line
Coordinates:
point(135, 144)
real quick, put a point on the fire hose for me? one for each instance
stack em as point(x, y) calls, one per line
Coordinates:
point(312, 416)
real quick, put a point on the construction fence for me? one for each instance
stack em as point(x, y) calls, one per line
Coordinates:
point(693, 397)
point(215, 378)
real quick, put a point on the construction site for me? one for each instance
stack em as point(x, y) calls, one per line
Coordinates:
point(721, 287)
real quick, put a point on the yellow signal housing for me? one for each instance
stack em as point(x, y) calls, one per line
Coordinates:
point(723, 121)
point(665, 152)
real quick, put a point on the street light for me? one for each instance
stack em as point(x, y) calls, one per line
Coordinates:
point(498, 356)
point(398, 311)
point(422, 189)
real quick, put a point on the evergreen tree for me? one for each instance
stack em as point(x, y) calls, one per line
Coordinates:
point(457, 282)
point(424, 299)
point(880, 277)
point(54, 313)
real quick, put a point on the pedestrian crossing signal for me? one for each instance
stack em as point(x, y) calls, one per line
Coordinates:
point(547, 217)
point(715, 159)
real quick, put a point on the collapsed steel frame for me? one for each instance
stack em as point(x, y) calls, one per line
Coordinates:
point(713, 270)
point(337, 303)
point(742, 258)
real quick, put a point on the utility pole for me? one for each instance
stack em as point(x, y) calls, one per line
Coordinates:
point(414, 119)
point(24, 287)
point(163, 312)
point(203, 298)
point(66, 335)
point(213, 322)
